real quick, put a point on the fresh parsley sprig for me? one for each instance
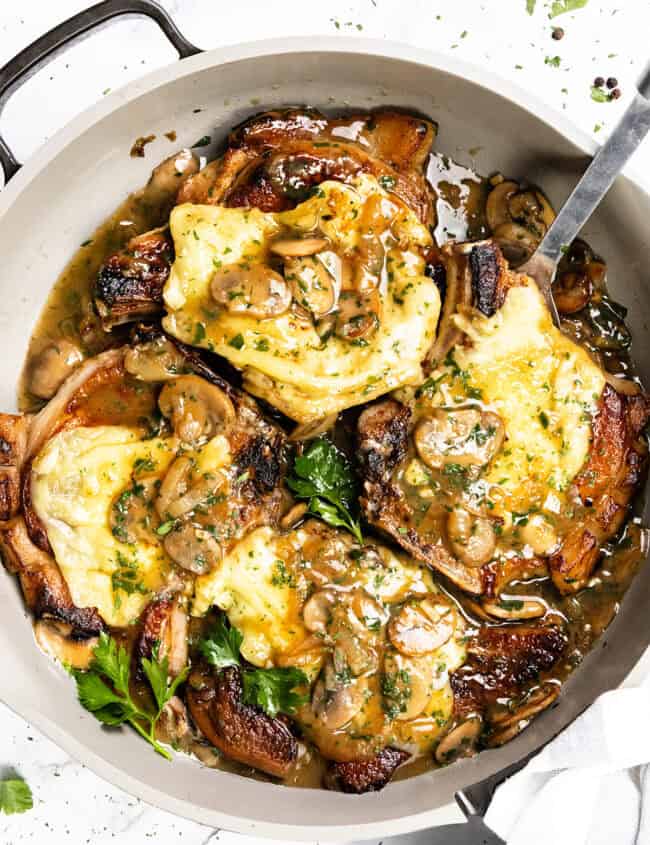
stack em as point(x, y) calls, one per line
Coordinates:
point(272, 690)
point(112, 703)
point(15, 796)
point(323, 476)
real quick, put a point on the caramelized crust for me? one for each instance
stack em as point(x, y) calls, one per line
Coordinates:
point(501, 661)
point(359, 776)
point(45, 590)
point(13, 448)
point(243, 733)
point(605, 486)
point(130, 283)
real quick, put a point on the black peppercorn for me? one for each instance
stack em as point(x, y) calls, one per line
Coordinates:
point(612, 82)
point(599, 81)
point(615, 94)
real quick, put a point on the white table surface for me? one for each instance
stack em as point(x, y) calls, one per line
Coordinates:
point(606, 38)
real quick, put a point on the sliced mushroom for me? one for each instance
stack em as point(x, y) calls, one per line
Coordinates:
point(54, 639)
point(155, 360)
point(507, 725)
point(514, 607)
point(294, 515)
point(336, 700)
point(467, 436)
point(317, 612)
point(298, 247)
point(518, 219)
point(198, 494)
point(358, 316)
point(539, 534)
point(571, 292)
point(193, 548)
point(312, 284)
point(52, 366)
point(255, 290)
point(460, 741)
point(422, 627)
point(406, 685)
point(132, 515)
point(197, 409)
point(472, 538)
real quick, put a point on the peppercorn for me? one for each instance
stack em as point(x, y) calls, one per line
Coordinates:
point(558, 33)
point(612, 82)
point(599, 81)
point(615, 94)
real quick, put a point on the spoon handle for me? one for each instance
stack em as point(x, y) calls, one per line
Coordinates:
point(598, 178)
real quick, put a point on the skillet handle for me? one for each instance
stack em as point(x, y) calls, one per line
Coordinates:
point(474, 800)
point(19, 69)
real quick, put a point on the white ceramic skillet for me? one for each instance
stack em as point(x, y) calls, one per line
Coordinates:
point(54, 202)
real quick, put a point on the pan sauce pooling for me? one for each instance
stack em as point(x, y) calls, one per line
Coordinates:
point(152, 501)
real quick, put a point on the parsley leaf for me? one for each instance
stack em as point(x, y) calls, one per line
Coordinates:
point(599, 95)
point(272, 690)
point(530, 6)
point(560, 7)
point(111, 703)
point(15, 796)
point(324, 477)
point(221, 647)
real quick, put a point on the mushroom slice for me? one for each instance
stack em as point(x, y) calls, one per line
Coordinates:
point(255, 290)
point(460, 741)
point(317, 612)
point(193, 548)
point(406, 685)
point(466, 436)
point(572, 291)
point(197, 409)
point(241, 732)
point(518, 219)
point(496, 207)
point(358, 316)
point(298, 247)
point(472, 538)
point(336, 700)
point(51, 367)
point(155, 360)
point(312, 284)
point(506, 726)
point(54, 639)
point(515, 608)
point(422, 627)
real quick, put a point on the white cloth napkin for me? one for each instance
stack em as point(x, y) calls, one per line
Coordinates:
point(590, 786)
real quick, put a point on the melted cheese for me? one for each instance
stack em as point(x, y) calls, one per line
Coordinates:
point(543, 386)
point(76, 478)
point(283, 359)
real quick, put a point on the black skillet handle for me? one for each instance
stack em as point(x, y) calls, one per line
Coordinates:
point(18, 70)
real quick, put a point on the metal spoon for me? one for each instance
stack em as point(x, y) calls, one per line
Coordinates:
point(590, 190)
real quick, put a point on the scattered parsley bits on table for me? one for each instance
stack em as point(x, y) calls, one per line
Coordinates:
point(15, 796)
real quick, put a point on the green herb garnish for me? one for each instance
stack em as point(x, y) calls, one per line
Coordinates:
point(15, 796)
point(104, 689)
point(324, 477)
point(272, 690)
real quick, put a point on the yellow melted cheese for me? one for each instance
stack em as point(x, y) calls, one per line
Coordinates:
point(76, 478)
point(543, 386)
point(283, 359)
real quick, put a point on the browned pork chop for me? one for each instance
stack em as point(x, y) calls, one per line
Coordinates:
point(272, 162)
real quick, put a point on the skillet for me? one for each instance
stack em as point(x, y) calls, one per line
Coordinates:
point(53, 203)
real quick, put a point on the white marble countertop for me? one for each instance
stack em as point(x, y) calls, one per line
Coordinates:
point(606, 38)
